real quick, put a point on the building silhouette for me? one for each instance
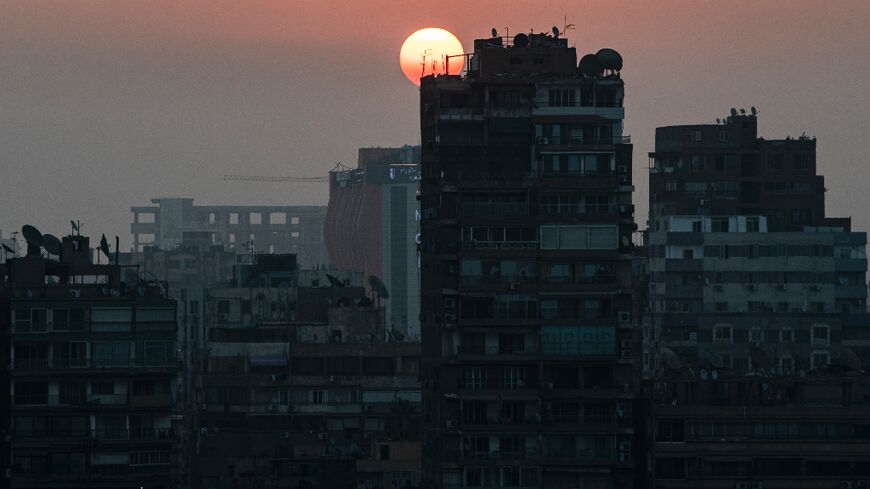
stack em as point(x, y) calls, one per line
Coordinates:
point(91, 367)
point(527, 311)
point(755, 336)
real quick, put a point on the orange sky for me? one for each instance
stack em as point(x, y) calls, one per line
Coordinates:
point(105, 104)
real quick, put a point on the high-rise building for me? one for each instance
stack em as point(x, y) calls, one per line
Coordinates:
point(372, 225)
point(755, 338)
point(91, 366)
point(527, 309)
point(244, 229)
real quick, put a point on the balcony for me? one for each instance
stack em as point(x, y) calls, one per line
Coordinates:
point(142, 434)
point(604, 210)
point(486, 209)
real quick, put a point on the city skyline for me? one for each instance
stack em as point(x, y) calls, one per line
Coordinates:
point(109, 106)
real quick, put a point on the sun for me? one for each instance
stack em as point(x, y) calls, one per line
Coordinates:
point(432, 45)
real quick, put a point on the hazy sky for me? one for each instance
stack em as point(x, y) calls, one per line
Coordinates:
point(106, 104)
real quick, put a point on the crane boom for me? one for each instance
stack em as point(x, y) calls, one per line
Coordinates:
point(258, 178)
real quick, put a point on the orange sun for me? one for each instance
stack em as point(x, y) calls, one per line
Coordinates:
point(432, 45)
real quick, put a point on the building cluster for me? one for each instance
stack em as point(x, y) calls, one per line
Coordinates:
point(480, 311)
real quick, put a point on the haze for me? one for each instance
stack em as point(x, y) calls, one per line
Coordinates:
point(106, 104)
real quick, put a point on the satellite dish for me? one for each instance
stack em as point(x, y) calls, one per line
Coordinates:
point(610, 59)
point(364, 302)
point(7, 249)
point(31, 235)
point(753, 110)
point(590, 65)
point(625, 241)
point(555, 31)
point(669, 359)
point(714, 375)
point(378, 287)
point(51, 244)
point(494, 32)
point(334, 281)
point(703, 374)
point(104, 246)
point(343, 302)
point(733, 112)
point(521, 40)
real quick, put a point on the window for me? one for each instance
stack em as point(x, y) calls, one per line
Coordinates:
point(722, 334)
point(60, 320)
point(821, 335)
point(802, 161)
point(234, 217)
point(719, 224)
point(474, 378)
point(775, 161)
point(786, 364)
point(579, 237)
point(820, 359)
point(697, 136)
point(102, 388)
point(509, 344)
point(513, 378)
point(724, 136)
point(278, 218)
point(212, 218)
point(317, 397)
point(699, 163)
point(384, 452)
point(255, 218)
point(753, 224)
point(755, 335)
point(721, 307)
point(786, 335)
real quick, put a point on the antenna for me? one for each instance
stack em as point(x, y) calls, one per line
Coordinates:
point(555, 32)
point(494, 32)
point(718, 120)
point(733, 112)
point(566, 26)
point(426, 52)
point(76, 227)
point(104, 247)
point(753, 110)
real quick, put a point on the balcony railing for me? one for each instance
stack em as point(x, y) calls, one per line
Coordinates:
point(576, 141)
point(493, 209)
point(582, 209)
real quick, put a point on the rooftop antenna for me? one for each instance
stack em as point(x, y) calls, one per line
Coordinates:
point(76, 227)
point(494, 32)
point(733, 112)
point(566, 26)
point(555, 32)
point(426, 52)
point(753, 110)
point(718, 120)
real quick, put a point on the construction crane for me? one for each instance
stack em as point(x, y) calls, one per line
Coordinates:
point(259, 178)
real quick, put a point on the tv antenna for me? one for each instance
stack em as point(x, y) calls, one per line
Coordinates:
point(426, 52)
point(566, 26)
point(76, 227)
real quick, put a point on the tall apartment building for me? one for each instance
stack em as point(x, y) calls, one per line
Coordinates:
point(242, 228)
point(372, 225)
point(91, 362)
point(756, 316)
point(312, 396)
point(526, 270)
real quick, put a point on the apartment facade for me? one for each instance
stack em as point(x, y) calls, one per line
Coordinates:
point(527, 308)
point(756, 304)
point(244, 229)
point(92, 363)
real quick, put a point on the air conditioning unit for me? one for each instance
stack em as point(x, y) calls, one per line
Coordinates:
point(514, 285)
point(452, 423)
point(625, 458)
point(75, 293)
point(757, 485)
point(623, 179)
point(623, 316)
point(741, 485)
point(543, 141)
point(449, 318)
point(323, 436)
point(693, 336)
point(625, 446)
